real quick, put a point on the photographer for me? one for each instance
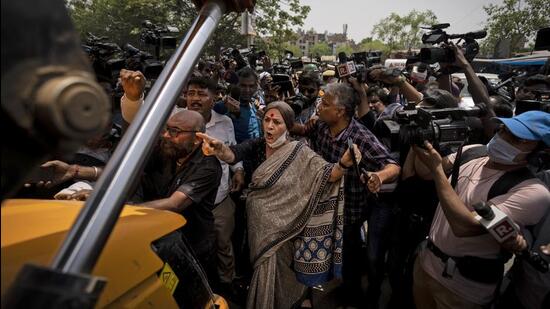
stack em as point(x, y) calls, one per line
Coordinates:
point(309, 85)
point(532, 86)
point(386, 76)
point(463, 264)
point(476, 87)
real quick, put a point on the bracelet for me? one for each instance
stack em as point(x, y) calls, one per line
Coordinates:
point(96, 172)
point(76, 168)
point(342, 165)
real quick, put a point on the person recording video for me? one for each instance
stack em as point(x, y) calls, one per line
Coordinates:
point(462, 264)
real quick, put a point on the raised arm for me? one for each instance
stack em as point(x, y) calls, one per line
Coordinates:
point(133, 83)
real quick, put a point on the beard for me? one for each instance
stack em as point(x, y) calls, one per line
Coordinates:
point(173, 151)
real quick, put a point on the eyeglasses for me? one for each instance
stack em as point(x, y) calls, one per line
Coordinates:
point(174, 132)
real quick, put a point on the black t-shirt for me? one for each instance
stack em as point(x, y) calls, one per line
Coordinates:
point(251, 151)
point(199, 178)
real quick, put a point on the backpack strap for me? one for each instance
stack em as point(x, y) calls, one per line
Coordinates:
point(464, 157)
point(508, 181)
point(473, 153)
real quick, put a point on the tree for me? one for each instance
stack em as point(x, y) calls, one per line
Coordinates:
point(293, 48)
point(346, 48)
point(516, 21)
point(320, 49)
point(276, 20)
point(121, 20)
point(403, 32)
point(373, 45)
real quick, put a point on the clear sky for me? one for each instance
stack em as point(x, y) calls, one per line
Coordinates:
point(361, 16)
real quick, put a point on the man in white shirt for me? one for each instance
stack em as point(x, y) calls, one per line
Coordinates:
point(200, 95)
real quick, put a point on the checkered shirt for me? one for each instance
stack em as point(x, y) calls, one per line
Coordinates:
point(375, 157)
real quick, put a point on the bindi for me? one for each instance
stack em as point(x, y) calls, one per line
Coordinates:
point(271, 115)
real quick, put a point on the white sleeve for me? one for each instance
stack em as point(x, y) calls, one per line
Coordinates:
point(129, 108)
point(232, 141)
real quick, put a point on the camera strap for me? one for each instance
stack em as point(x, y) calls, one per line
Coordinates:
point(456, 166)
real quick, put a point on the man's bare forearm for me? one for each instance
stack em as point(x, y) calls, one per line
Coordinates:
point(389, 173)
point(410, 93)
point(479, 92)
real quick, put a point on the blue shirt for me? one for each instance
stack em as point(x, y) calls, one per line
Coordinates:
point(246, 125)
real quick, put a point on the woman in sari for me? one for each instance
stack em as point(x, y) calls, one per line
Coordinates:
point(294, 211)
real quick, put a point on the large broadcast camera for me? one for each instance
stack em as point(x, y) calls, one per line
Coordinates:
point(288, 64)
point(540, 103)
point(243, 57)
point(445, 128)
point(442, 53)
point(109, 58)
point(160, 37)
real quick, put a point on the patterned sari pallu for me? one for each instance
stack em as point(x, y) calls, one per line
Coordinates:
point(295, 221)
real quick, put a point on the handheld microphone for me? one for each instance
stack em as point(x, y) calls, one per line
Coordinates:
point(497, 223)
point(501, 227)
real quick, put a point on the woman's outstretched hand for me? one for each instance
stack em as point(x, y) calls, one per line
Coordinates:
point(210, 145)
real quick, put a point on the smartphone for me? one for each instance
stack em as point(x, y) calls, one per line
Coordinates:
point(353, 158)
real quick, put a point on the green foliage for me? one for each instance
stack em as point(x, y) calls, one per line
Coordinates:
point(277, 20)
point(346, 48)
point(515, 20)
point(121, 20)
point(320, 49)
point(373, 45)
point(293, 48)
point(403, 32)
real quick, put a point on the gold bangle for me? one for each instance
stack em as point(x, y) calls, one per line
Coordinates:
point(96, 172)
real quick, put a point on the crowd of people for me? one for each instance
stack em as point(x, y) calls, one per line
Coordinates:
point(284, 191)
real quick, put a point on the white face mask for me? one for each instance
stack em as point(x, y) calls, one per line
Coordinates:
point(280, 141)
point(500, 151)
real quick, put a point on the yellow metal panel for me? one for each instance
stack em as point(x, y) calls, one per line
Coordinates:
point(149, 294)
point(32, 231)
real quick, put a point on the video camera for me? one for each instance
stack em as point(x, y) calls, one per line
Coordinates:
point(386, 72)
point(444, 54)
point(158, 35)
point(288, 65)
point(243, 57)
point(540, 103)
point(443, 128)
point(107, 58)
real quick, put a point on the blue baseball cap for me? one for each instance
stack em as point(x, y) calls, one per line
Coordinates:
point(532, 125)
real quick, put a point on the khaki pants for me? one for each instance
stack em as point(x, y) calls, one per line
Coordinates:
point(224, 223)
point(428, 293)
